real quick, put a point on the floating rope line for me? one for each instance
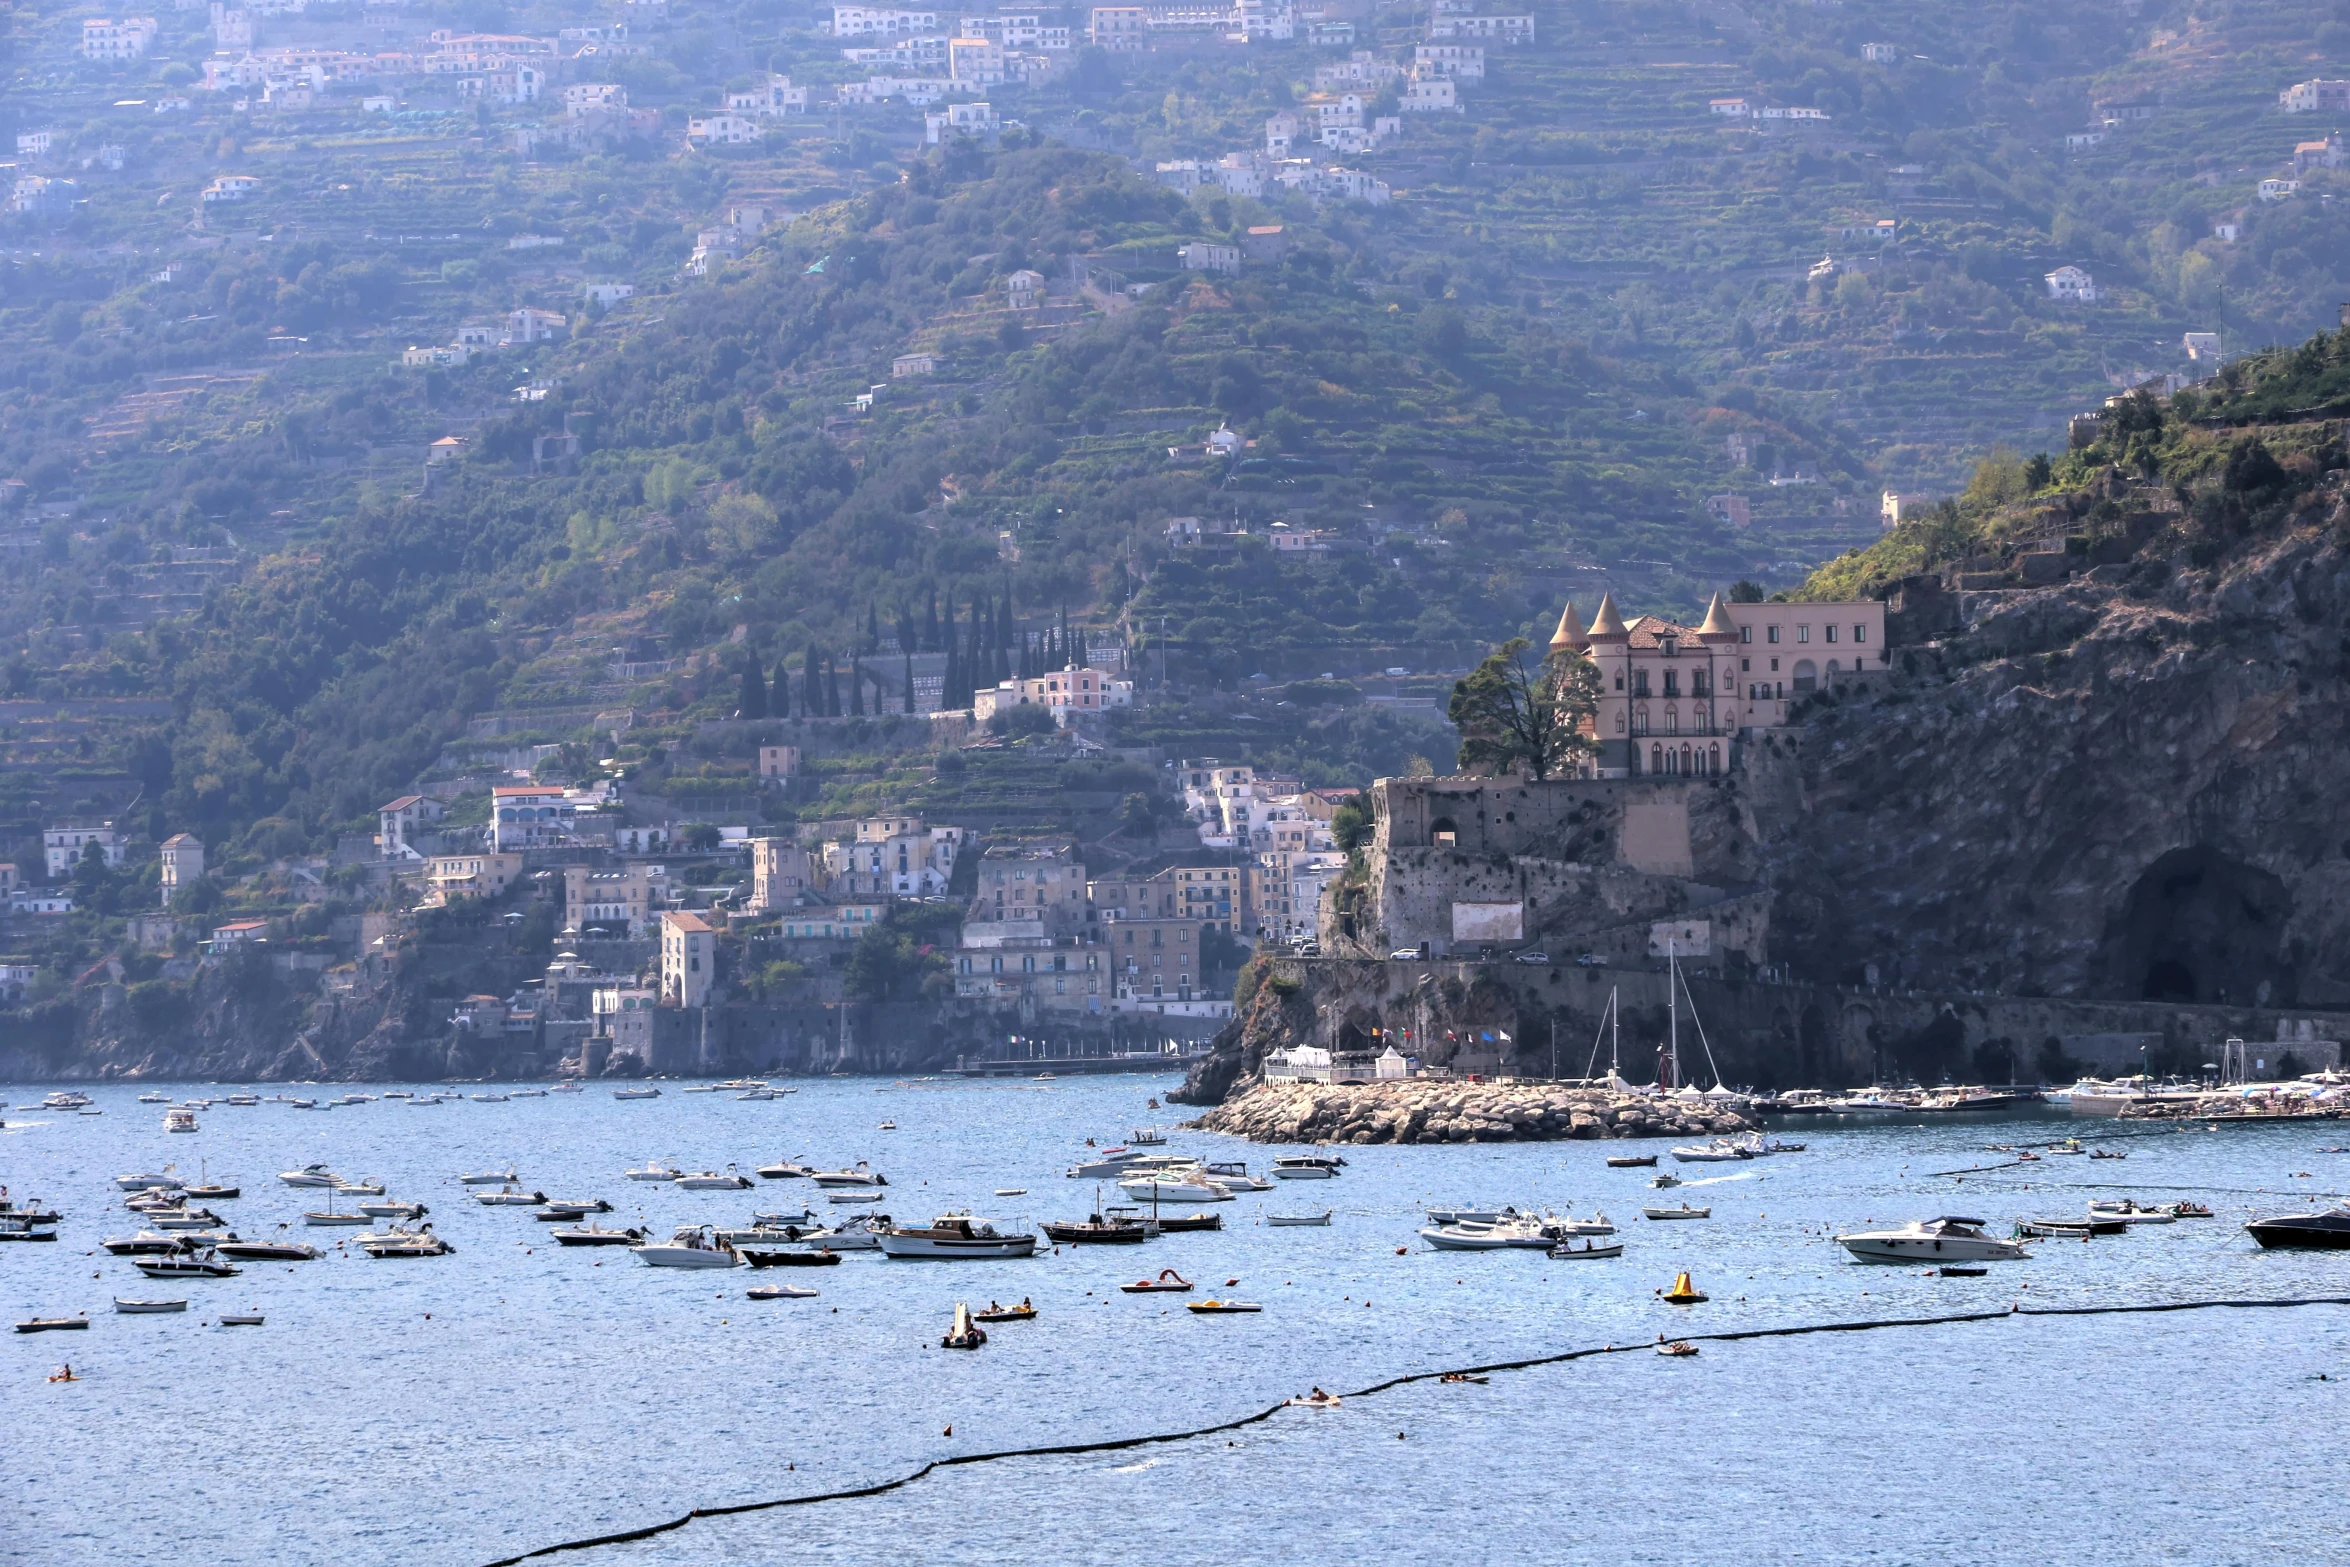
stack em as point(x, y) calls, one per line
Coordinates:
point(1116, 1444)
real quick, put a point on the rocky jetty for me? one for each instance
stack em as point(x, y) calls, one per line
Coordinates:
point(1456, 1112)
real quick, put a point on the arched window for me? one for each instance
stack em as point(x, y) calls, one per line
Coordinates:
point(1640, 720)
point(1656, 758)
point(1714, 763)
point(1831, 666)
point(1684, 758)
point(1807, 676)
point(1672, 720)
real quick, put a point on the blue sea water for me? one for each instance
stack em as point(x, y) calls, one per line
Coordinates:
point(515, 1394)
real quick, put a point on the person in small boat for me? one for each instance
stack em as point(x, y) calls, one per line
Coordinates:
point(65, 1374)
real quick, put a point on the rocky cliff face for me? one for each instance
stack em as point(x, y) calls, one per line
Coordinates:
point(2117, 789)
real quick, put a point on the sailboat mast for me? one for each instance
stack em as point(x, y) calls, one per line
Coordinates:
point(1673, 1007)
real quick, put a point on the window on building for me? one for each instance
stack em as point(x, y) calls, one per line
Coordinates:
point(1803, 633)
point(1672, 720)
point(1860, 633)
point(1773, 635)
point(1672, 682)
point(1831, 632)
point(1745, 665)
point(1640, 682)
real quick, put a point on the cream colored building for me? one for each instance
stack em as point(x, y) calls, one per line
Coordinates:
point(1673, 698)
point(183, 864)
point(454, 876)
point(625, 899)
point(689, 959)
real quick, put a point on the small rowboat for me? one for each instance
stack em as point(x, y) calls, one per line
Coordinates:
point(1278, 1220)
point(1682, 1212)
point(1679, 1349)
point(1317, 1399)
point(241, 1319)
point(1174, 1222)
point(778, 1292)
point(132, 1308)
point(822, 1258)
point(1024, 1312)
point(1168, 1279)
point(52, 1324)
point(1218, 1308)
point(1630, 1161)
point(2190, 1210)
point(1589, 1251)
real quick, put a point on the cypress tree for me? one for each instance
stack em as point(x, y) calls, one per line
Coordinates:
point(779, 699)
point(856, 689)
point(754, 697)
point(946, 690)
point(1071, 653)
point(811, 698)
point(909, 708)
point(905, 628)
point(930, 623)
point(872, 628)
point(831, 687)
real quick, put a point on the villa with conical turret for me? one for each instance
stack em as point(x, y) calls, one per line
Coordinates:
point(1673, 699)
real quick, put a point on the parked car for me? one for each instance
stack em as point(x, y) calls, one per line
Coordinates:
point(1533, 957)
point(1592, 960)
point(1403, 954)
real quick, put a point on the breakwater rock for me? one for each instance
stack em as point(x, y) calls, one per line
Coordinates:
point(1456, 1112)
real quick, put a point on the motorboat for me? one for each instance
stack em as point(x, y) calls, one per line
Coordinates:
point(843, 1197)
point(185, 1219)
point(794, 1257)
point(592, 1234)
point(1682, 1212)
point(1221, 1308)
point(766, 1235)
point(636, 1093)
point(359, 1188)
point(691, 1246)
point(1178, 1223)
point(1757, 1146)
point(955, 1235)
point(510, 1197)
point(1146, 1137)
point(329, 1218)
point(143, 1183)
point(1475, 1215)
point(146, 1243)
point(141, 1308)
point(65, 1099)
point(2328, 1231)
point(554, 1212)
point(784, 1170)
point(177, 1119)
point(1516, 1234)
point(711, 1181)
point(858, 1176)
point(52, 1324)
point(25, 1212)
point(654, 1172)
point(394, 1210)
point(194, 1265)
point(1664, 1180)
point(310, 1175)
point(489, 1099)
point(268, 1251)
point(240, 1319)
point(1307, 1167)
point(249, 1099)
point(156, 1199)
point(1281, 1221)
point(529, 1093)
point(805, 1219)
point(400, 1244)
point(15, 1229)
point(889, 1126)
point(2130, 1211)
point(1719, 1151)
point(154, 1099)
point(2070, 1229)
point(1589, 1251)
point(1024, 1312)
point(1168, 1282)
point(568, 1087)
point(964, 1334)
point(779, 1292)
point(1108, 1163)
point(211, 1193)
point(1172, 1188)
point(1099, 1230)
point(1947, 1239)
point(1241, 1183)
point(505, 1177)
point(1597, 1224)
point(1630, 1161)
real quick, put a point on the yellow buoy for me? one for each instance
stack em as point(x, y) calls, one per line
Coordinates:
point(1683, 1292)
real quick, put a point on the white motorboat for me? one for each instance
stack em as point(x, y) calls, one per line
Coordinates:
point(1146, 1137)
point(199, 1265)
point(1719, 1151)
point(711, 1181)
point(1473, 1215)
point(1682, 1212)
point(784, 1170)
point(805, 1219)
point(778, 1292)
point(393, 1210)
point(636, 1093)
point(1517, 1234)
point(2130, 1212)
point(568, 1087)
point(65, 1099)
point(180, 1119)
point(154, 1099)
point(852, 1196)
point(1298, 1220)
point(242, 1099)
point(1597, 1224)
point(593, 1234)
point(1306, 1167)
point(268, 1251)
point(185, 1219)
point(1102, 1166)
point(399, 1243)
point(956, 1235)
point(1172, 1188)
point(692, 1246)
point(359, 1188)
point(310, 1175)
point(509, 1197)
point(148, 1183)
point(489, 1099)
point(654, 1171)
point(505, 1177)
point(529, 1093)
point(1947, 1239)
point(1241, 1183)
point(157, 1200)
point(145, 1243)
point(858, 1175)
point(329, 1218)
point(134, 1308)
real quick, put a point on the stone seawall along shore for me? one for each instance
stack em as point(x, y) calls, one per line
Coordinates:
point(1456, 1112)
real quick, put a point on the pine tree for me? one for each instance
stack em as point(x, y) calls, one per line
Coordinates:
point(779, 698)
point(856, 688)
point(754, 697)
